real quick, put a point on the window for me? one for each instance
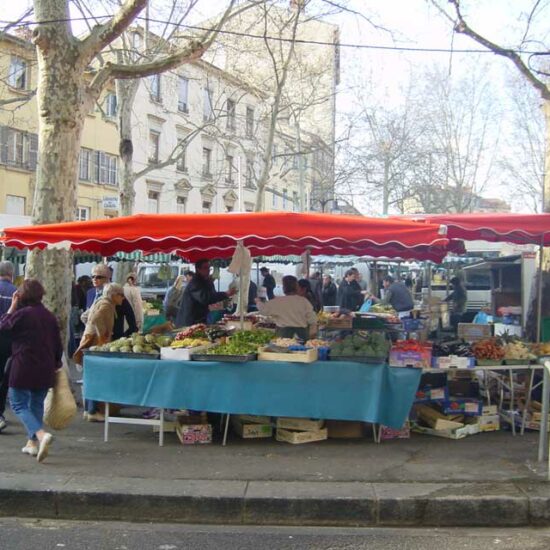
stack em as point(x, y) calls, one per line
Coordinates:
point(18, 148)
point(229, 169)
point(208, 108)
point(110, 105)
point(250, 174)
point(154, 143)
point(229, 208)
point(104, 168)
point(153, 199)
point(285, 198)
point(85, 164)
point(82, 213)
point(274, 198)
point(183, 93)
point(231, 123)
point(248, 207)
point(18, 75)
point(181, 164)
point(206, 162)
point(249, 122)
point(206, 207)
point(15, 205)
point(181, 203)
point(154, 82)
point(137, 41)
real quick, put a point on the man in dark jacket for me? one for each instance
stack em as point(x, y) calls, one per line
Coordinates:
point(198, 295)
point(350, 295)
point(329, 291)
point(7, 289)
point(268, 283)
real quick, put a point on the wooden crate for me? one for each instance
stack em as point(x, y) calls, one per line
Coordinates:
point(251, 430)
point(307, 356)
point(297, 438)
point(303, 424)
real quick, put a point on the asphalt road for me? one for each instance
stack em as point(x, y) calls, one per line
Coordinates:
point(23, 534)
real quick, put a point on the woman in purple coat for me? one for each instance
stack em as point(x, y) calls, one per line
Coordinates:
point(36, 355)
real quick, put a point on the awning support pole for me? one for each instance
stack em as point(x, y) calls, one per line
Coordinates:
point(539, 291)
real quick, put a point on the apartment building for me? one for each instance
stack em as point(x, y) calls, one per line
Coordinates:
point(98, 174)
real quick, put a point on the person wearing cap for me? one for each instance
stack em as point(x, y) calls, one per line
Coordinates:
point(397, 295)
point(133, 295)
point(7, 290)
point(101, 275)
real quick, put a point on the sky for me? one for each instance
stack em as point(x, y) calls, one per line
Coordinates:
point(403, 23)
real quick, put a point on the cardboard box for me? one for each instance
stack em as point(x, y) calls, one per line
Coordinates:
point(489, 410)
point(345, 429)
point(417, 359)
point(251, 430)
point(307, 356)
point(387, 433)
point(194, 434)
point(472, 332)
point(489, 423)
point(296, 438)
point(194, 418)
point(427, 394)
point(169, 427)
point(303, 424)
point(458, 433)
point(436, 420)
point(181, 354)
point(453, 362)
point(467, 407)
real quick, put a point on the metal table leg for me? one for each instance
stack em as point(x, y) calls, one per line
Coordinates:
point(512, 399)
point(161, 428)
point(527, 401)
point(226, 429)
point(106, 425)
point(543, 434)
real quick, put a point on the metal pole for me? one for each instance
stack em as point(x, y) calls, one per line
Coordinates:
point(543, 434)
point(539, 291)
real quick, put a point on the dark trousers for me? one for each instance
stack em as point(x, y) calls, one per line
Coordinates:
point(290, 332)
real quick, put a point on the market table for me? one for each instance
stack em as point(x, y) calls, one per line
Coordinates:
point(336, 390)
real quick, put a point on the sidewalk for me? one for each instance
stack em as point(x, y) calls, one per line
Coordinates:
point(488, 479)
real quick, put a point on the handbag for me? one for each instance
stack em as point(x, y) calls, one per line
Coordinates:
point(60, 406)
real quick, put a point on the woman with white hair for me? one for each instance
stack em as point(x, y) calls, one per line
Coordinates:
point(98, 331)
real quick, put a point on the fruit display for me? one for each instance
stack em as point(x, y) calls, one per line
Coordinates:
point(136, 343)
point(518, 350)
point(489, 349)
point(382, 308)
point(409, 345)
point(194, 331)
point(541, 349)
point(372, 344)
point(317, 343)
point(324, 318)
point(189, 343)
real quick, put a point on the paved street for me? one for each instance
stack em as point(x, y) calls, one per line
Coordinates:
point(18, 534)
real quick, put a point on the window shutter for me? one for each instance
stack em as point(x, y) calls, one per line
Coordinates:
point(4, 132)
point(95, 166)
point(103, 168)
point(33, 151)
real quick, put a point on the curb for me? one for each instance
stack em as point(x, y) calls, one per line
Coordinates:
point(345, 504)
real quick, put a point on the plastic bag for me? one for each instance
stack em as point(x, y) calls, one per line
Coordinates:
point(366, 306)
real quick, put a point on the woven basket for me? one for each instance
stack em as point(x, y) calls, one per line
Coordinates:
point(60, 406)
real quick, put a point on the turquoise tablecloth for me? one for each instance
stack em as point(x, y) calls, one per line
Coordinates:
point(325, 389)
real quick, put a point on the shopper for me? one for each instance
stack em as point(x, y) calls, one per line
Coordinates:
point(305, 290)
point(329, 291)
point(458, 298)
point(350, 295)
point(268, 283)
point(172, 300)
point(101, 276)
point(98, 331)
point(198, 295)
point(7, 289)
point(293, 314)
point(133, 295)
point(397, 295)
point(37, 352)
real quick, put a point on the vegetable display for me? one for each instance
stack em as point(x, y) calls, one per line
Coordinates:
point(372, 344)
point(489, 349)
point(242, 343)
point(136, 343)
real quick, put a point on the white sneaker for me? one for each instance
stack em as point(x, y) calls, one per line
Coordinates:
point(3, 423)
point(44, 447)
point(31, 450)
point(96, 417)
